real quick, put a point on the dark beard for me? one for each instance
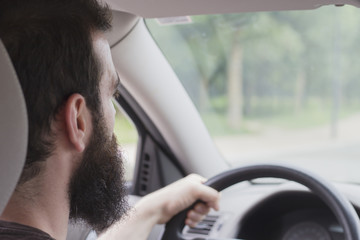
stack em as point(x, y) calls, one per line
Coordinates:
point(97, 192)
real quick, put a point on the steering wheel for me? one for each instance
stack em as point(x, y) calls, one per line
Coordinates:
point(337, 203)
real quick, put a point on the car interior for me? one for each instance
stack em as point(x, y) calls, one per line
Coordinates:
point(269, 199)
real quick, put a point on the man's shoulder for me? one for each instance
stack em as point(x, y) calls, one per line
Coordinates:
point(12, 231)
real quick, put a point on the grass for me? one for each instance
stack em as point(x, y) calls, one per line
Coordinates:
point(312, 115)
point(124, 129)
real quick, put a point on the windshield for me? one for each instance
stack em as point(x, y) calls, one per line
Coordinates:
point(274, 86)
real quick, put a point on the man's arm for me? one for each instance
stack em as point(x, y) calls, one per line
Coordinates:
point(160, 206)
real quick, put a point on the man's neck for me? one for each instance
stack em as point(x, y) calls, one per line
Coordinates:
point(42, 202)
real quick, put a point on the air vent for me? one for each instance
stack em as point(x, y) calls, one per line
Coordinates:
point(204, 227)
point(145, 174)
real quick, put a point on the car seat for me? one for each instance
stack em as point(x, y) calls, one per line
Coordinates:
point(13, 128)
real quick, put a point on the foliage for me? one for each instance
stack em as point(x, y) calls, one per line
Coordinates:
point(287, 59)
point(124, 129)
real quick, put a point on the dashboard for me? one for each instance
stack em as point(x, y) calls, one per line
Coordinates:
point(291, 215)
point(272, 211)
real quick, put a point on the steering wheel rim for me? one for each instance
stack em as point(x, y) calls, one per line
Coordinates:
point(338, 204)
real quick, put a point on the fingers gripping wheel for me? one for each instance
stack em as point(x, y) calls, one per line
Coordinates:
point(340, 206)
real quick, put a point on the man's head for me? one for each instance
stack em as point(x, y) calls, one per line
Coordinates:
point(65, 68)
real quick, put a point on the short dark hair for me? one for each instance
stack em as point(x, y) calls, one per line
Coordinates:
point(50, 45)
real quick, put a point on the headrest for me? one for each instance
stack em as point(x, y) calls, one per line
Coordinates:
point(13, 128)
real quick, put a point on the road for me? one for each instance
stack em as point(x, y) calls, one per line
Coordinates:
point(314, 149)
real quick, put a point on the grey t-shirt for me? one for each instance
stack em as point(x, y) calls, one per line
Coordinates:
point(16, 231)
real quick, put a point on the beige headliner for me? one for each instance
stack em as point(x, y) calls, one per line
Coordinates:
point(167, 8)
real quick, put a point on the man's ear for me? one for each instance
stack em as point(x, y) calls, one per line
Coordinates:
point(77, 121)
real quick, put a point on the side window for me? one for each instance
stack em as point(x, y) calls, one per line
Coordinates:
point(127, 137)
point(149, 162)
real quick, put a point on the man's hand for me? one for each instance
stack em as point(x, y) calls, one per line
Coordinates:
point(160, 206)
point(180, 195)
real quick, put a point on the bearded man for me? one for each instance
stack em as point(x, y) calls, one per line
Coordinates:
point(73, 168)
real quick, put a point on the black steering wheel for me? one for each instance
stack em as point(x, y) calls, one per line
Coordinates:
point(338, 204)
